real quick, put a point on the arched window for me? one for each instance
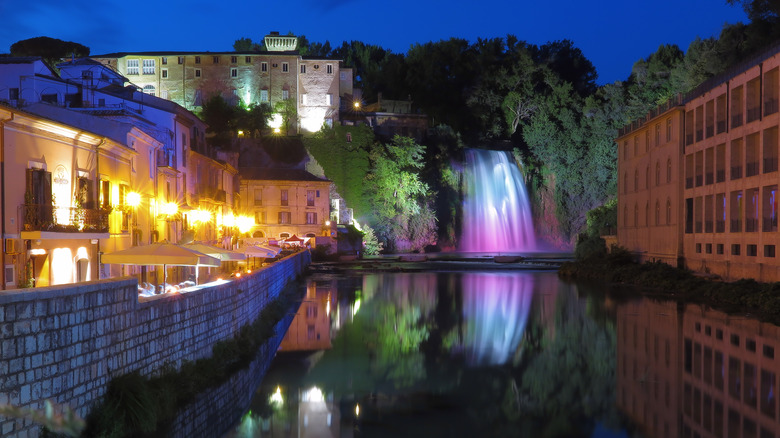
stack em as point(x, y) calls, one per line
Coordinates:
point(149, 89)
point(657, 213)
point(669, 170)
point(258, 234)
point(284, 235)
point(636, 215)
point(647, 213)
point(668, 212)
point(636, 180)
point(647, 177)
point(657, 173)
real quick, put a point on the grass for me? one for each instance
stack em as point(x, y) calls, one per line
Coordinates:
point(661, 280)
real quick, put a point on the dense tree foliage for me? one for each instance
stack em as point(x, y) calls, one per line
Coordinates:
point(52, 50)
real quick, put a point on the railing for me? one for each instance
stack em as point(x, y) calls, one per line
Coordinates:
point(720, 175)
point(751, 168)
point(769, 224)
point(736, 120)
point(770, 106)
point(751, 225)
point(708, 226)
point(709, 178)
point(770, 164)
point(689, 182)
point(721, 126)
point(64, 219)
point(753, 114)
point(736, 172)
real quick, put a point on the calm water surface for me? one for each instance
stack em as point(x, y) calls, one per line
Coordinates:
point(521, 353)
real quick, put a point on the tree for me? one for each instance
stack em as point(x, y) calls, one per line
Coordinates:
point(245, 45)
point(52, 50)
point(402, 201)
point(221, 120)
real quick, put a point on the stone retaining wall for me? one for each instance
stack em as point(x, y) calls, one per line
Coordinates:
point(65, 343)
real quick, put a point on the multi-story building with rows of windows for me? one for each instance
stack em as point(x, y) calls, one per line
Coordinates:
point(699, 177)
point(271, 76)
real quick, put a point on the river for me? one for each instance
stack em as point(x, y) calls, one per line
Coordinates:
point(511, 353)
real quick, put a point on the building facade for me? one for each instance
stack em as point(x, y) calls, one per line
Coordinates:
point(270, 77)
point(726, 155)
point(285, 202)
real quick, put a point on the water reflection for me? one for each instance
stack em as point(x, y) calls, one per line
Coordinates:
point(690, 371)
point(443, 354)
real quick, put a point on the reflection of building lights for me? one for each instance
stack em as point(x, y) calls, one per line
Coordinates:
point(357, 410)
point(327, 308)
point(356, 307)
point(248, 271)
point(313, 395)
point(229, 220)
point(276, 397)
point(133, 199)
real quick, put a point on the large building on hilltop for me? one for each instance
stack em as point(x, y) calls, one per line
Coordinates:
point(317, 85)
point(699, 178)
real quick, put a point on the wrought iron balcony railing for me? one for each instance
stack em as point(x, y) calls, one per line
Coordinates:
point(64, 219)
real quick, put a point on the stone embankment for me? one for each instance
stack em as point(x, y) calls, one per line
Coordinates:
point(65, 343)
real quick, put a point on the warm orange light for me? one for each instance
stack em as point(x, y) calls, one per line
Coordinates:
point(133, 199)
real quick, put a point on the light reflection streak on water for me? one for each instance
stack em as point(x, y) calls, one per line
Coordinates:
point(496, 308)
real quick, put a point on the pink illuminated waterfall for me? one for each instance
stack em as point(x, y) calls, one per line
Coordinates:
point(496, 212)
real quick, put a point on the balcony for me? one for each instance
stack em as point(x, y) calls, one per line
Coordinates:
point(85, 223)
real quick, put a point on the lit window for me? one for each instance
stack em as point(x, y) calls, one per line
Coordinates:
point(303, 99)
point(164, 73)
point(329, 99)
point(132, 66)
point(263, 95)
point(149, 89)
point(164, 61)
point(148, 66)
point(284, 217)
point(311, 218)
point(285, 94)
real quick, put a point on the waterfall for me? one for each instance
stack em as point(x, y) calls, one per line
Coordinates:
point(496, 211)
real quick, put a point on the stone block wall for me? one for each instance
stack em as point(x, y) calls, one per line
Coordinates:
point(65, 343)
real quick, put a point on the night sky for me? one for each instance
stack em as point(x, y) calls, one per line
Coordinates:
point(613, 34)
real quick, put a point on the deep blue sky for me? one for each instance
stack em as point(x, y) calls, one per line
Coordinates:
point(613, 34)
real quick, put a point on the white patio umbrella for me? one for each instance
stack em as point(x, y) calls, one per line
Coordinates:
point(160, 253)
point(223, 254)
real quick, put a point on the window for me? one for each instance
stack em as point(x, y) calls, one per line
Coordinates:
point(131, 66)
point(233, 72)
point(329, 69)
point(13, 93)
point(215, 59)
point(310, 198)
point(263, 95)
point(233, 59)
point(197, 60)
point(149, 89)
point(263, 66)
point(197, 72)
point(752, 250)
point(148, 67)
point(285, 94)
point(311, 218)
point(164, 73)
point(248, 60)
point(164, 94)
point(260, 217)
point(285, 67)
point(164, 60)
point(303, 68)
point(303, 99)
point(258, 196)
point(329, 99)
point(735, 249)
point(285, 217)
point(284, 197)
point(181, 60)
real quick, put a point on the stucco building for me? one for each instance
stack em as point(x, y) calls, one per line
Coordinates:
point(275, 75)
point(285, 202)
point(717, 213)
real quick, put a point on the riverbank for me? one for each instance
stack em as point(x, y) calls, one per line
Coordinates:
point(444, 262)
point(760, 300)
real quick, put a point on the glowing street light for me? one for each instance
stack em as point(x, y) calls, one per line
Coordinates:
point(201, 216)
point(244, 223)
point(133, 199)
point(170, 208)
